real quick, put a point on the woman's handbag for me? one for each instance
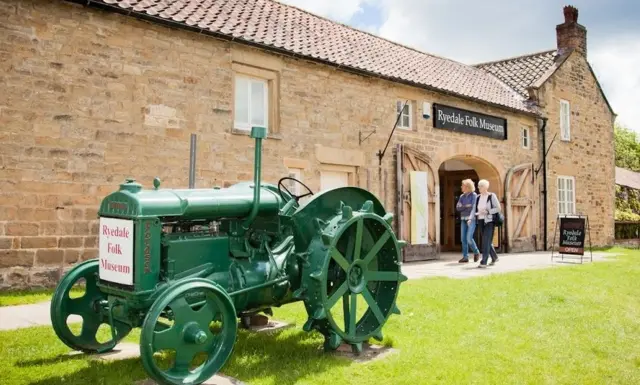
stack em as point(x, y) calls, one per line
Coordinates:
point(498, 218)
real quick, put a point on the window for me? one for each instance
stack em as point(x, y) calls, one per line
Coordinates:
point(565, 120)
point(251, 103)
point(566, 195)
point(293, 187)
point(525, 137)
point(405, 118)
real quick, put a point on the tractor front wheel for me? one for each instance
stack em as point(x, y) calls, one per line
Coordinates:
point(189, 333)
point(65, 303)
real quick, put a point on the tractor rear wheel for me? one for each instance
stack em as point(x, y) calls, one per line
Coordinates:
point(86, 306)
point(353, 277)
point(188, 333)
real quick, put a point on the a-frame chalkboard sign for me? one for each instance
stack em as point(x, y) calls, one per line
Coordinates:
point(573, 231)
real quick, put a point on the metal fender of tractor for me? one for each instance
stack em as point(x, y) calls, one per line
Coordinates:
point(352, 271)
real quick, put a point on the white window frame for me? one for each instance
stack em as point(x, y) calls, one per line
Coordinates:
point(566, 206)
point(565, 120)
point(292, 186)
point(246, 126)
point(408, 113)
point(525, 138)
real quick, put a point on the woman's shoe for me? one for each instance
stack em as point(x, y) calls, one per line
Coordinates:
point(463, 260)
point(476, 257)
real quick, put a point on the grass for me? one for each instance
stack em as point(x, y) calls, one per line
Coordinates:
point(26, 297)
point(570, 325)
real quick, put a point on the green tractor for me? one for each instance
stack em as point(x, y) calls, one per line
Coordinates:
point(185, 264)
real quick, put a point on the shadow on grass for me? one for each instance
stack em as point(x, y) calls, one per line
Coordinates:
point(50, 360)
point(281, 357)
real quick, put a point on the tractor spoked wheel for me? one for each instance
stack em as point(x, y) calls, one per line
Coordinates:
point(189, 333)
point(86, 306)
point(353, 278)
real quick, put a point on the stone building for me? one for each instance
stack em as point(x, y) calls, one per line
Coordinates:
point(99, 91)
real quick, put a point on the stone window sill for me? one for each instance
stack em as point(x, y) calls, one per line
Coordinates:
point(270, 135)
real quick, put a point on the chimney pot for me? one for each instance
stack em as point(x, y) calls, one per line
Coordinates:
point(570, 14)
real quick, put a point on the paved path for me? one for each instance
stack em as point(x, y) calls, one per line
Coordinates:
point(448, 266)
point(13, 317)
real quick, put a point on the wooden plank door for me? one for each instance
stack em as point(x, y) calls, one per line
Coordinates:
point(519, 208)
point(409, 160)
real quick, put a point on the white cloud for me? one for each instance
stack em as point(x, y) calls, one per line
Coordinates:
point(617, 65)
point(338, 10)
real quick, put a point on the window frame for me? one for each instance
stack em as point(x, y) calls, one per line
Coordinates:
point(296, 173)
point(250, 81)
point(409, 114)
point(260, 68)
point(526, 137)
point(565, 120)
point(565, 202)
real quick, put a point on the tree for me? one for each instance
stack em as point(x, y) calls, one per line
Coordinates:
point(627, 147)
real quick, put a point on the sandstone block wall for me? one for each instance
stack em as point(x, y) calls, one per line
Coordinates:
point(589, 155)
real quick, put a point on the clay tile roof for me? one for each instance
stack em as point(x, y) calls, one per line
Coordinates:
point(628, 178)
point(522, 71)
point(289, 29)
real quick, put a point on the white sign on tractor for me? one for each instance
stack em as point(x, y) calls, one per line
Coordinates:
point(116, 250)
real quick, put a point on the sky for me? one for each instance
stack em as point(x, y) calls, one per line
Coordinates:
point(473, 31)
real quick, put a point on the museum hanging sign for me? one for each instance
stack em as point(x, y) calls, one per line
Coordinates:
point(474, 123)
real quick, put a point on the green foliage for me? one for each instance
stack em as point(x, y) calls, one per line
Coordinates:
point(627, 147)
point(627, 204)
point(627, 216)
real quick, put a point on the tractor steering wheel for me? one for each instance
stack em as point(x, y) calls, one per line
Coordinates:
point(296, 197)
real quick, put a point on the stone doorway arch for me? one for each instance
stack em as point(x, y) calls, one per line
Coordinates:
point(474, 164)
point(486, 165)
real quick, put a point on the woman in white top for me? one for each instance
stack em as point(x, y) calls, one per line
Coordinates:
point(487, 204)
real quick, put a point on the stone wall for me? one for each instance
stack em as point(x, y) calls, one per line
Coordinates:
point(91, 98)
point(589, 155)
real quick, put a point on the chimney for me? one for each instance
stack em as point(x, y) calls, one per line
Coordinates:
point(570, 34)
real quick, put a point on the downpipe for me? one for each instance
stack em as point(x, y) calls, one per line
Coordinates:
point(544, 180)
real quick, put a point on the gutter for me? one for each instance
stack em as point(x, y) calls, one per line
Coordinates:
point(221, 36)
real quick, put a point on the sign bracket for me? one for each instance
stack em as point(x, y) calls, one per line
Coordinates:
point(380, 153)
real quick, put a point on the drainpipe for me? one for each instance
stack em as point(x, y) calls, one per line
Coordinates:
point(258, 133)
point(544, 178)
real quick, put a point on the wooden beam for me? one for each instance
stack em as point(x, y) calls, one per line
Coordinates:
point(521, 221)
point(413, 162)
point(523, 177)
point(521, 202)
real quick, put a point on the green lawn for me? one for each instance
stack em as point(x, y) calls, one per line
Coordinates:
point(571, 325)
point(24, 297)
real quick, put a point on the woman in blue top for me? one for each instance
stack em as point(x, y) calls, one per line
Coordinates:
point(467, 207)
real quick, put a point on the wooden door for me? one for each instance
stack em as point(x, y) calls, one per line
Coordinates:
point(451, 183)
point(519, 208)
point(333, 179)
point(408, 160)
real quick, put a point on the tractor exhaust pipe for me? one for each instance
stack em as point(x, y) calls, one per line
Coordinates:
point(258, 133)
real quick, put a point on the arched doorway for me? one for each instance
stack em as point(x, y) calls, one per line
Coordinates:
point(451, 173)
point(429, 205)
